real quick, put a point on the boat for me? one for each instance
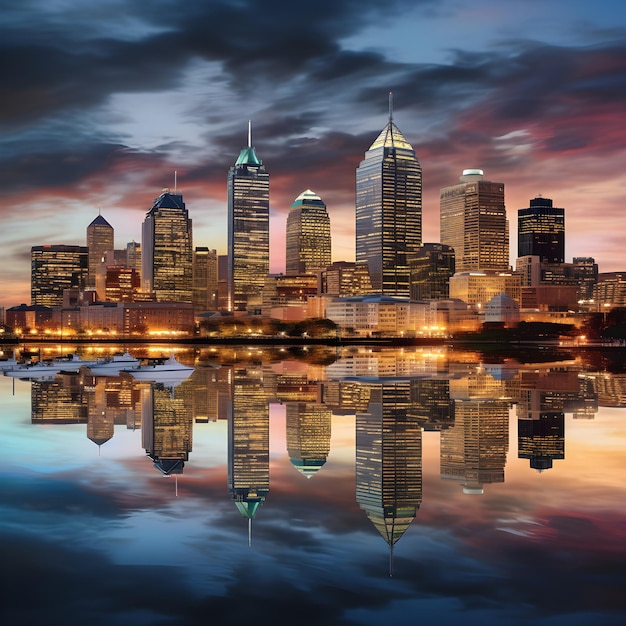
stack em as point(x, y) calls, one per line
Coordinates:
point(72, 363)
point(170, 371)
point(34, 370)
point(115, 364)
point(8, 364)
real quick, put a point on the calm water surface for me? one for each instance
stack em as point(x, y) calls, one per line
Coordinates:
point(319, 487)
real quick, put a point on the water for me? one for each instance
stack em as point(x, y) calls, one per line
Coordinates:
point(320, 487)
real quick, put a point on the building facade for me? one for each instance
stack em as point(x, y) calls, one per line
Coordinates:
point(248, 231)
point(541, 231)
point(100, 240)
point(308, 244)
point(473, 222)
point(55, 268)
point(389, 211)
point(431, 270)
point(167, 249)
point(204, 279)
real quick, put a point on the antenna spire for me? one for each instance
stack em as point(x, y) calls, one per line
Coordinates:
point(175, 174)
point(249, 134)
point(390, 106)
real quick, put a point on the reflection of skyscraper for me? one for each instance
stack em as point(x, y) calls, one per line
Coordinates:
point(55, 268)
point(248, 230)
point(100, 425)
point(389, 210)
point(166, 249)
point(473, 222)
point(166, 429)
point(248, 444)
point(473, 451)
point(99, 241)
point(540, 429)
point(308, 436)
point(308, 235)
point(389, 460)
point(58, 401)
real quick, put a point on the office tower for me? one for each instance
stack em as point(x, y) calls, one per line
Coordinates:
point(389, 210)
point(204, 279)
point(54, 269)
point(344, 278)
point(249, 443)
point(541, 231)
point(248, 230)
point(586, 271)
point(431, 270)
point(121, 284)
point(133, 256)
point(99, 241)
point(166, 249)
point(308, 235)
point(308, 427)
point(473, 222)
point(389, 460)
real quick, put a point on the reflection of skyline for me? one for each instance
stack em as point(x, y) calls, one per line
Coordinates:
point(465, 403)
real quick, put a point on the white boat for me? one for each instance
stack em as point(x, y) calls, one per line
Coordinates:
point(35, 370)
point(72, 363)
point(170, 371)
point(115, 364)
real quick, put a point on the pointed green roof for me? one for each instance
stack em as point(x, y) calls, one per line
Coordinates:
point(248, 157)
point(391, 137)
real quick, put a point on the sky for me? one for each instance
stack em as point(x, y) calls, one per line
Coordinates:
point(103, 106)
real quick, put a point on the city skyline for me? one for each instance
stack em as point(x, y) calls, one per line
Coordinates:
point(103, 111)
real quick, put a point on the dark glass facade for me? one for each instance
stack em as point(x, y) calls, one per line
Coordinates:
point(389, 211)
point(167, 250)
point(541, 231)
point(248, 231)
point(431, 270)
point(54, 269)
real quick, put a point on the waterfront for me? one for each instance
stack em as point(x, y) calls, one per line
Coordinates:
point(350, 486)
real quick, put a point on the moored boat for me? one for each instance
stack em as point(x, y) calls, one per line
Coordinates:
point(169, 370)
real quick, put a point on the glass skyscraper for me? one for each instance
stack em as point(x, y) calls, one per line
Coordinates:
point(308, 246)
point(389, 211)
point(473, 222)
point(248, 231)
point(99, 241)
point(54, 269)
point(167, 249)
point(541, 231)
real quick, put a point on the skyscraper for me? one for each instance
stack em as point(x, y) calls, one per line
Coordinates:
point(389, 210)
point(166, 249)
point(248, 230)
point(99, 241)
point(204, 279)
point(541, 231)
point(308, 235)
point(431, 269)
point(473, 222)
point(54, 269)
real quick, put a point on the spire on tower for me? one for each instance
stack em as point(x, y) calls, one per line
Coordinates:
point(390, 106)
point(249, 134)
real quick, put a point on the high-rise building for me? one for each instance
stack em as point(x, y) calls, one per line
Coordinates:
point(55, 269)
point(473, 222)
point(99, 241)
point(389, 210)
point(166, 249)
point(204, 279)
point(541, 231)
point(308, 247)
point(431, 269)
point(248, 230)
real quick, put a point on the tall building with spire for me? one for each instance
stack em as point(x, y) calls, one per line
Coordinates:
point(167, 249)
point(248, 230)
point(308, 243)
point(389, 210)
point(473, 222)
point(99, 241)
